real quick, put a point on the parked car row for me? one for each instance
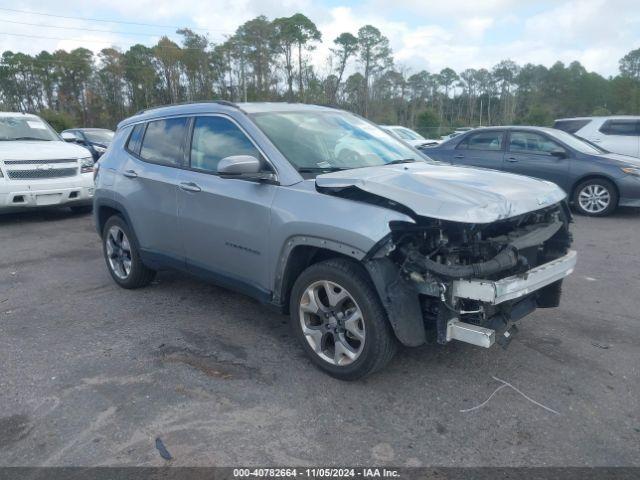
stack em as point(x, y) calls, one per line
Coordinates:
point(594, 159)
point(348, 227)
point(596, 180)
point(337, 222)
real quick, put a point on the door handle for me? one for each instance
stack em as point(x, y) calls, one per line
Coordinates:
point(190, 187)
point(512, 159)
point(459, 156)
point(130, 174)
point(596, 140)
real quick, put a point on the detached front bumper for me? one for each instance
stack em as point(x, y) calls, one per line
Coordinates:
point(507, 289)
point(511, 288)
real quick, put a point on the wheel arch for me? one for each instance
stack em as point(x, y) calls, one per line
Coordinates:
point(103, 214)
point(401, 303)
point(299, 253)
point(104, 208)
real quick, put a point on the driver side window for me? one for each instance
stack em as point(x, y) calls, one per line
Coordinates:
point(215, 138)
point(532, 143)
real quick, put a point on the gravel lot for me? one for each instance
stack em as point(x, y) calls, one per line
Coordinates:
point(91, 374)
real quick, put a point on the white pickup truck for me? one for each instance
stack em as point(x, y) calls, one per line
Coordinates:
point(39, 169)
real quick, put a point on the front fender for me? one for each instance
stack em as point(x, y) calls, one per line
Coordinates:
point(302, 216)
point(299, 213)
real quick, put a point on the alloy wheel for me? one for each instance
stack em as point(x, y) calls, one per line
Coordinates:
point(118, 252)
point(594, 198)
point(332, 323)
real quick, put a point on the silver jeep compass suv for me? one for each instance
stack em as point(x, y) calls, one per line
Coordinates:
point(363, 240)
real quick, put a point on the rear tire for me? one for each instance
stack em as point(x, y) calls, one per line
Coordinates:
point(596, 197)
point(122, 256)
point(347, 335)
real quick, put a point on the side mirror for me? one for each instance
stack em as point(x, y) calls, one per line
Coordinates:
point(238, 165)
point(69, 137)
point(559, 153)
point(245, 167)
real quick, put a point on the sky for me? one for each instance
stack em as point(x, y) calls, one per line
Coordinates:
point(423, 34)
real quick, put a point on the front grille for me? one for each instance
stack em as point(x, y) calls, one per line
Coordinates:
point(38, 174)
point(39, 162)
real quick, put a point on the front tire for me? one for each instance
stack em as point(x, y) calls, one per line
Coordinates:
point(596, 197)
point(122, 256)
point(338, 318)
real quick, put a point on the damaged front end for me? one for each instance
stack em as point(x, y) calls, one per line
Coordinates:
point(471, 282)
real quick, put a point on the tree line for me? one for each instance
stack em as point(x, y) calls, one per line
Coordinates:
point(269, 60)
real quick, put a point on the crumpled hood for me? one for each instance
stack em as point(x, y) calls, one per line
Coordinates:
point(41, 150)
point(458, 194)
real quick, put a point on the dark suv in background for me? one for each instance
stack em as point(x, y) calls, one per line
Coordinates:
point(596, 181)
point(96, 140)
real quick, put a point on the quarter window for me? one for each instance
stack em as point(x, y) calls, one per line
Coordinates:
point(135, 139)
point(215, 138)
point(483, 141)
point(164, 141)
point(530, 142)
point(621, 127)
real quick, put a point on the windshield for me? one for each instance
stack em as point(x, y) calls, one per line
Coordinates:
point(25, 128)
point(578, 144)
point(99, 136)
point(325, 141)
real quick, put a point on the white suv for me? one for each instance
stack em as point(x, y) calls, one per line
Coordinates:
point(37, 168)
point(619, 134)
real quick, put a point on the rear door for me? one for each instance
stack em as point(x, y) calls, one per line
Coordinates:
point(148, 184)
point(620, 136)
point(530, 153)
point(224, 222)
point(480, 149)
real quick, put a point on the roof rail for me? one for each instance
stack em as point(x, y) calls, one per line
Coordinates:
point(220, 102)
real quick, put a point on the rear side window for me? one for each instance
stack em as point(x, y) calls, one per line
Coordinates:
point(483, 141)
point(215, 138)
point(570, 126)
point(621, 127)
point(163, 141)
point(135, 139)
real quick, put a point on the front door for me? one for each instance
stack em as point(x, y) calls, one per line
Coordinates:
point(536, 155)
point(224, 222)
